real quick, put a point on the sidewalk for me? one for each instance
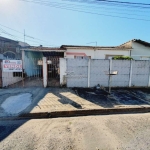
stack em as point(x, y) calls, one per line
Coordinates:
point(59, 102)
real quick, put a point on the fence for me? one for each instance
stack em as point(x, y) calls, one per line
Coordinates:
point(83, 72)
point(33, 69)
point(9, 78)
point(32, 74)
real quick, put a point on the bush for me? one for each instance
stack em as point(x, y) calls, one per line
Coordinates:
point(122, 58)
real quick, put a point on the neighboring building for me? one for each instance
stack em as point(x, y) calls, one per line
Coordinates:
point(140, 49)
point(95, 52)
point(10, 48)
point(33, 63)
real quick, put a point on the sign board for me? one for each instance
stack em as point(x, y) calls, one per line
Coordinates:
point(49, 62)
point(40, 62)
point(12, 66)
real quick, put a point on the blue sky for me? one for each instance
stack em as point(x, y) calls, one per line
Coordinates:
point(58, 26)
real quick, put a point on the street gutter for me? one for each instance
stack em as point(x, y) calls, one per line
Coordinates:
point(75, 113)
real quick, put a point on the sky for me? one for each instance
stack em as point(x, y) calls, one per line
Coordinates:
point(50, 26)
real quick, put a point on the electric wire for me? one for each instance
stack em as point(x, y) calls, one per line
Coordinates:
point(89, 7)
point(111, 4)
point(70, 8)
point(28, 36)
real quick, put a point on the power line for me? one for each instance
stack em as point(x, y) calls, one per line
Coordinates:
point(63, 7)
point(131, 3)
point(81, 1)
point(109, 4)
point(81, 6)
point(17, 37)
point(22, 33)
point(64, 4)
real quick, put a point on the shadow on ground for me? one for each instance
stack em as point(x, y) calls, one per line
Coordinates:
point(56, 99)
point(37, 94)
point(7, 129)
point(118, 96)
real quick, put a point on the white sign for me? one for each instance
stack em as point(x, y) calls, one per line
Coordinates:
point(12, 66)
point(40, 62)
point(49, 62)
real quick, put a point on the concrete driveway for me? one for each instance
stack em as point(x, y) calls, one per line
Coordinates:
point(48, 100)
point(45, 100)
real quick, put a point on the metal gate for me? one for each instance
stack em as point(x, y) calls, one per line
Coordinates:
point(53, 71)
point(33, 69)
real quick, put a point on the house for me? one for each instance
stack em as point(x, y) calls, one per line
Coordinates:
point(95, 52)
point(33, 63)
point(10, 49)
point(140, 49)
point(73, 51)
point(44, 61)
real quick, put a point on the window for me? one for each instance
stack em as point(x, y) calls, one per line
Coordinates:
point(17, 74)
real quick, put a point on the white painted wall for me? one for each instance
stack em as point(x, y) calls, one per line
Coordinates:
point(101, 54)
point(96, 54)
point(62, 62)
point(140, 52)
point(8, 79)
point(135, 75)
point(45, 72)
point(84, 51)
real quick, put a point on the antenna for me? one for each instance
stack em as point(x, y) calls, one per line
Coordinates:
point(92, 42)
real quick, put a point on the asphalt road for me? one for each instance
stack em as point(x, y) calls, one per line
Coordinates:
point(110, 132)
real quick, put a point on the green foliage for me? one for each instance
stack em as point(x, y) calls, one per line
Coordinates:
point(122, 58)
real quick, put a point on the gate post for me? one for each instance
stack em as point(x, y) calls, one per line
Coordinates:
point(130, 75)
point(89, 69)
point(45, 72)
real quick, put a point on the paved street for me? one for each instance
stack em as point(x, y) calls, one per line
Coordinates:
point(66, 99)
point(47, 100)
point(111, 132)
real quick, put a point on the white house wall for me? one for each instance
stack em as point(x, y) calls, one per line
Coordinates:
point(101, 54)
point(90, 72)
point(70, 53)
point(95, 54)
point(8, 79)
point(98, 71)
point(140, 51)
point(62, 71)
point(140, 73)
point(77, 72)
point(123, 68)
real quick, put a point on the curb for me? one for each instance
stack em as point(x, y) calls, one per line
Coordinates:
point(81, 112)
point(75, 113)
